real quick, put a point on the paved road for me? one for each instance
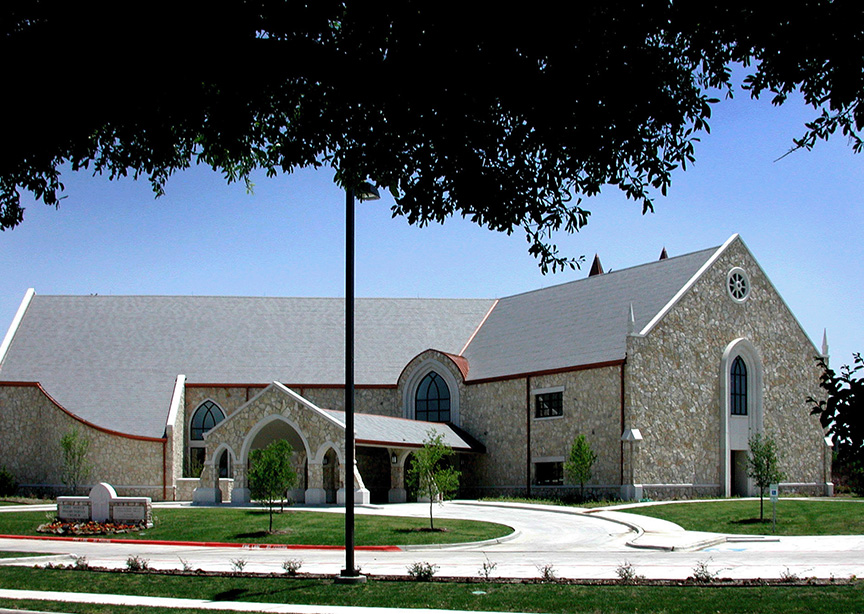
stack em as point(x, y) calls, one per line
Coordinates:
point(575, 544)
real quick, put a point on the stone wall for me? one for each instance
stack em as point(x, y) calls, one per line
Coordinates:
point(496, 414)
point(673, 386)
point(35, 424)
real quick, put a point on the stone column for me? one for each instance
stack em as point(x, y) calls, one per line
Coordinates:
point(397, 493)
point(630, 489)
point(208, 492)
point(827, 458)
point(315, 493)
point(240, 494)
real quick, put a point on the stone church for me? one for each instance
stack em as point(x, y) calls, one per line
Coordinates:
point(667, 368)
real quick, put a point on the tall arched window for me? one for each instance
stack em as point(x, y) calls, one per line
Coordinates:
point(432, 401)
point(205, 418)
point(738, 387)
point(208, 415)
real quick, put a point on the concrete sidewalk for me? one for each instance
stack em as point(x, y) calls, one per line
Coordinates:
point(203, 604)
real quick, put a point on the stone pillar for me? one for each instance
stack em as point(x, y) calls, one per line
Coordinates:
point(208, 492)
point(361, 494)
point(397, 492)
point(240, 495)
point(315, 493)
point(827, 459)
point(630, 489)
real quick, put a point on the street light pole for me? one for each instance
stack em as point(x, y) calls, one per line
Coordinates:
point(350, 575)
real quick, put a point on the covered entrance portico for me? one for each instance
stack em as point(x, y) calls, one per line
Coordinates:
point(318, 439)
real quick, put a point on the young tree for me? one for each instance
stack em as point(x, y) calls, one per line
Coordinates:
point(762, 465)
point(508, 119)
point(271, 474)
point(578, 465)
point(841, 413)
point(430, 473)
point(76, 468)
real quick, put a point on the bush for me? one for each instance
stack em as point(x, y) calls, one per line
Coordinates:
point(8, 483)
point(422, 571)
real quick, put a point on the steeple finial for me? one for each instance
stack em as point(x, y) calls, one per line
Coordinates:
point(825, 343)
point(596, 267)
point(631, 322)
point(663, 254)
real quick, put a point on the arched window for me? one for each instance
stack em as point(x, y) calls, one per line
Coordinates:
point(205, 418)
point(432, 401)
point(738, 387)
point(208, 415)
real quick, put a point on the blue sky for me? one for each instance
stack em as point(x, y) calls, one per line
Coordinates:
point(801, 216)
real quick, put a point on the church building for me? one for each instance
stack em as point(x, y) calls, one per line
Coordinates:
point(667, 368)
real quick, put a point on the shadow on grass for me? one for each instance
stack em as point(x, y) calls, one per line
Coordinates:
point(252, 535)
point(423, 530)
point(751, 521)
point(233, 594)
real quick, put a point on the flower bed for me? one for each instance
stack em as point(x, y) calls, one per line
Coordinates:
point(88, 528)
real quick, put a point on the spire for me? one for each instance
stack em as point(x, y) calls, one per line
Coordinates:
point(596, 267)
point(631, 322)
point(825, 342)
point(663, 254)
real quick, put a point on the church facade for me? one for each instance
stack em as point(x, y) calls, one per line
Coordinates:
point(667, 368)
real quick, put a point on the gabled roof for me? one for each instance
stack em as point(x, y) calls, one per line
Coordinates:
point(112, 360)
point(372, 429)
point(583, 322)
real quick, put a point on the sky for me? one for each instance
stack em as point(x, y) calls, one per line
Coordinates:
point(801, 216)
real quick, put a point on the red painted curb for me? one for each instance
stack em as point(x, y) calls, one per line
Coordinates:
point(157, 542)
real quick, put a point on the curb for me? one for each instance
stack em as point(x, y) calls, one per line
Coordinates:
point(157, 542)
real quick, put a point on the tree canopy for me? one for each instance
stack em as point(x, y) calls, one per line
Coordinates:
point(508, 118)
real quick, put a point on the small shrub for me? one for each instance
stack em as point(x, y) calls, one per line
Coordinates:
point(137, 563)
point(626, 573)
point(547, 573)
point(422, 571)
point(8, 483)
point(81, 562)
point(238, 564)
point(185, 564)
point(701, 572)
point(292, 566)
point(487, 568)
point(787, 575)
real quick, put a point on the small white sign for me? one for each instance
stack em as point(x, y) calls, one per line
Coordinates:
point(774, 491)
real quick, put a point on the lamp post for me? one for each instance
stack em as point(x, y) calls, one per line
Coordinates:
point(366, 191)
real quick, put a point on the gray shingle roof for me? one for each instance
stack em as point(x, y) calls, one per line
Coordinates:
point(112, 360)
point(578, 323)
point(382, 430)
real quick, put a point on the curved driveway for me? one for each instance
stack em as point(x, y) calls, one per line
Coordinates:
point(574, 543)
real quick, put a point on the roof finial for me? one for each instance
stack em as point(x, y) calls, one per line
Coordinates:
point(825, 343)
point(631, 322)
point(663, 254)
point(596, 267)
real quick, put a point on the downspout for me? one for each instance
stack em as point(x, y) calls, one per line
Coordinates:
point(528, 436)
point(164, 469)
point(621, 444)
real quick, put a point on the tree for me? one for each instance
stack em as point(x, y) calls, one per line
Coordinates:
point(506, 118)
point(271, 474)
point(762, 465)
point(76, 468)
point(579, 463)
point(430, 472)
point(841, 413)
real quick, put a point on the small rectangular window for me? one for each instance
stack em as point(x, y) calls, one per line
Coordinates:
point(549, 404)
point(549, 473)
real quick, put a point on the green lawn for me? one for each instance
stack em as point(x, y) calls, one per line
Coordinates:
point(461, 596)
point(794, 516)
point(301, 527)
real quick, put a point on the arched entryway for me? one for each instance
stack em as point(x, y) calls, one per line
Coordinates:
point(268, 430)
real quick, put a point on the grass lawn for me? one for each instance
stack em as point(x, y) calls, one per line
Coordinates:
point(495, 597)
point(308, 528)
point(15, 555)
point(794, 516)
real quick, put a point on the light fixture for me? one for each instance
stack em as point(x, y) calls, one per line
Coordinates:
point(394, 459)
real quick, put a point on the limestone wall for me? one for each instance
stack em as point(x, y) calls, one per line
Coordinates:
point(31, 422)
point(496, 414)
point(673, 386)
